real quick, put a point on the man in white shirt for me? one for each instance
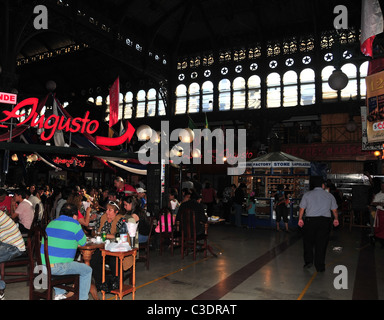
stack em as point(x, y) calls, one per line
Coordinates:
point(34, 200)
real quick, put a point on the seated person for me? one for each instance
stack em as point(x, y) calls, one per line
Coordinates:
point(64, 236)
point(24, 212)
point(134, 213)
point(11, 243)
point(200, 217)
point(6, 202)
point(110, 222)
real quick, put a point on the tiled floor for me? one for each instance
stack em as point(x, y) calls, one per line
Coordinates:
point(259, 264)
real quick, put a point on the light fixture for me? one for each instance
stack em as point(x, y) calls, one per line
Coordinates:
point(15, 157)
point(351, 125)
point(377, 153)
point(50, 85)
point(196, 153)
point(338, 80)
point(186, 135)
point(144, 132)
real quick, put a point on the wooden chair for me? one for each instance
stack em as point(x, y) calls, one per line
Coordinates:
point(20, 261)
point(145, 247)
point(45, 289)
point(166, 230)
point(189, 239)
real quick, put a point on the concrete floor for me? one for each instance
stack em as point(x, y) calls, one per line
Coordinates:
point(258, 264)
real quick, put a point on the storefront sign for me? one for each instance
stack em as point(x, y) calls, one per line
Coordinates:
point(375, 107)
point(75, 162)
point(8, 98)
point(67, 124)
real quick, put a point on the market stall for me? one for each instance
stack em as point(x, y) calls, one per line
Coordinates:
point(262, 177)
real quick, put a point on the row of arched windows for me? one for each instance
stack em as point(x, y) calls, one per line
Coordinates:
point(289, 89)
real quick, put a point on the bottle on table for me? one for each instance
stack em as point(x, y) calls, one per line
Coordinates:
point(117, 235)
point(124, 232)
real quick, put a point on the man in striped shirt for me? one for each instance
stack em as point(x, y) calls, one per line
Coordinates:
point(64, 236)
point(11, 243)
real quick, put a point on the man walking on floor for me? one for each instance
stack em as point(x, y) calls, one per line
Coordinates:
point(317, 205)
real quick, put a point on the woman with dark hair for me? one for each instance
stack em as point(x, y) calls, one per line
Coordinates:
point(134, 212)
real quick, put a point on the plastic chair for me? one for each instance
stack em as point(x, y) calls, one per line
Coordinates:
point(166, 229)
point(45, 290)
point(144, 247)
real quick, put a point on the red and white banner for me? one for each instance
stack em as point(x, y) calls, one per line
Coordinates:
point(8, 98)
point(114, 93)
point(371, 25)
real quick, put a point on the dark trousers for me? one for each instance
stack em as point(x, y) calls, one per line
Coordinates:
point(97, 266)
point(316, 232)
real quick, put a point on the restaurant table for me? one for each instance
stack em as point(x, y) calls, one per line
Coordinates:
point(87, 251)
point(123, 288)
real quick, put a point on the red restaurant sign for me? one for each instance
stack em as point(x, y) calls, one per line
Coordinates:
point(8, 98)
point(67, 124)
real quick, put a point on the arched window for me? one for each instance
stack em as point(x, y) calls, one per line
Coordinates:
point(128, 105)
point(307, 87)
point(99, 101)
point(181, 99)
point(224, 94)
point(207, 92)
point(254, 92)
point(238, 93)
point(140, 112)
point(363, 73)
point(120, 109)
point(161, 108)
point(350, 91)
point(290, 91)
point(107, 109)
point(273, 90)
point(194, 97)
point(121, 106)
point(151, 102)
point(328, 93)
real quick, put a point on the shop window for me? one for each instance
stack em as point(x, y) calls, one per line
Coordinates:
point(181, 99)
point(290, 93)
point(151, 103)
point(307, 87)
point(140, 111)
point(273, 90)
point(194, 98)
point(238, 93)
point(328, 94)
point(224, 95)
point(254, 92)
point(350, 91)
point(207, 92)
